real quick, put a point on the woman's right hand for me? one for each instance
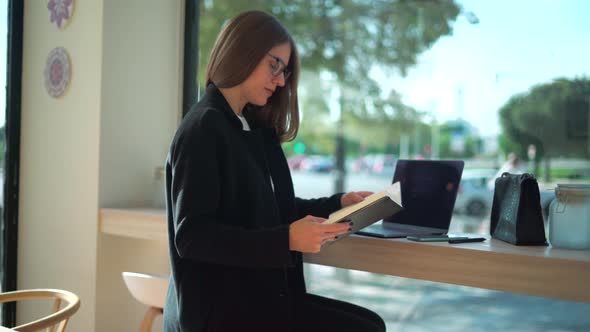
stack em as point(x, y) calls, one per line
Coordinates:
point(308, 234)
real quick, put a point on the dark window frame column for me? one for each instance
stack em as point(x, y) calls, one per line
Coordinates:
point(9, 222)
point(191, 54)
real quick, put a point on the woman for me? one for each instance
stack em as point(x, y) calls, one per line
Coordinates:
point(236, 231)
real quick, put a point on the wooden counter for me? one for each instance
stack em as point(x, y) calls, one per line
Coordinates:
point(149, 224)
point(541, 271)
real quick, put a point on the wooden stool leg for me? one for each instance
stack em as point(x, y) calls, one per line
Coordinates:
point(148, 319)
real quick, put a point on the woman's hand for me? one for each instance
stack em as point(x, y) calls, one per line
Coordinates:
point(353, 197)
point(308, 234)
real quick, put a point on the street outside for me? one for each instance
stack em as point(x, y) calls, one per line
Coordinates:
point(415, 305)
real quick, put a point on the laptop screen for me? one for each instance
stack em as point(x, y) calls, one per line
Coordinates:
point(429, 189)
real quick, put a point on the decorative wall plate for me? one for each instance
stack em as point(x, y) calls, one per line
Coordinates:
point(57, 72)
point(60, 11)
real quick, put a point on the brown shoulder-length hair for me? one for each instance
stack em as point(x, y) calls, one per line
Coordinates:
point(239, 48)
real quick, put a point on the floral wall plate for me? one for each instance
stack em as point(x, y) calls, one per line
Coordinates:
point(57, 72)
point(60, 11)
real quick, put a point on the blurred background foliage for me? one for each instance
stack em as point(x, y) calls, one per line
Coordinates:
point(341, 43)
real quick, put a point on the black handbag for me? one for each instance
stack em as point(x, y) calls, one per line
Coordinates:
point(516, 210)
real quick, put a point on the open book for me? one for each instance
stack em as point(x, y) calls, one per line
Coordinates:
point(370, 210)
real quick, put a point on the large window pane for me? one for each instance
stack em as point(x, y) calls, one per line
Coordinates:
point(482, 81)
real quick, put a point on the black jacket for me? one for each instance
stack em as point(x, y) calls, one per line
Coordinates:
point(228, 231)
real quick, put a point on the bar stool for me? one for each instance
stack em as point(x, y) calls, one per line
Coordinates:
point(150, 290)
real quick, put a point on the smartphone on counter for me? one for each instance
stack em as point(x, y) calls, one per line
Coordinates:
point(434, 238)
point(467, 240)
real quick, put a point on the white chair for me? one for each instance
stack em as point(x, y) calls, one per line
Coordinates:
point(57, 319)
point(150, 290)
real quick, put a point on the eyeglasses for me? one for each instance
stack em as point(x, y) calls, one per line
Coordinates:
point(279, 67)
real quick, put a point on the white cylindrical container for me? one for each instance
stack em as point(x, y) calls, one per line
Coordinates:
point(569, 217)
point(159, 188)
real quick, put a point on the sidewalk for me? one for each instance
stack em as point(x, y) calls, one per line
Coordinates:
point(410, 305)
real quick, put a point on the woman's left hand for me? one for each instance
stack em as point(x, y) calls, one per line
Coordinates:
point(353, 197)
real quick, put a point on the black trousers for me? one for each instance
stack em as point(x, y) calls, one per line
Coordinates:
point(321, 314)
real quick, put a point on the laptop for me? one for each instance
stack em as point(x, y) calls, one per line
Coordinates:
point(429, 189)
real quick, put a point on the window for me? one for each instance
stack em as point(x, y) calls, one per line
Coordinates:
point(482, 81)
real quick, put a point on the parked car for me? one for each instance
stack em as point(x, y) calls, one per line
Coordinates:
point(474, 196)
point(376, 164)
point(361, 164)
point(383, 164)
point(318, 164)
point(295, 161)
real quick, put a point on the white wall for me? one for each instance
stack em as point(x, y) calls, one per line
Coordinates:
point(141, 98)
point(59, 161)
point(116, 309)
point(97, 146)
